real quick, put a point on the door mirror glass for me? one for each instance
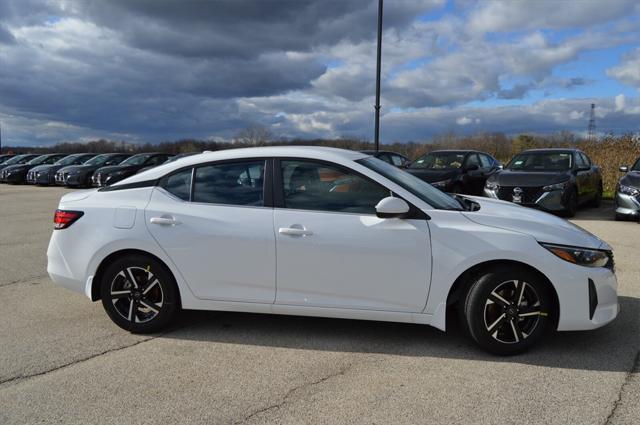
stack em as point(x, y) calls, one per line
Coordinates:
point(624, 169)
point(391, 207)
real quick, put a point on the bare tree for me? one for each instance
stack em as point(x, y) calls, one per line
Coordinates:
point(256, 135)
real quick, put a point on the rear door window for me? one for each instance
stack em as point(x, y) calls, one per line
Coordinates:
point(178, 184)
point(237, 183)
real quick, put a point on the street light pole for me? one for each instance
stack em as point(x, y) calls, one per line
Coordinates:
point(379, 61)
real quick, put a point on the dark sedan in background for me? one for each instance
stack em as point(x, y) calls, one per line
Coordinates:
point(627, 201)
point(553, 180)
point(171, 159)
point(18, 159)
point(17, 174)
point(390, 157)
point(80, 175)
point(46, 174)
point(455, 171)
point(108, 175)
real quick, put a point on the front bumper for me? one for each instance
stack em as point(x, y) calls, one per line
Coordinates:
point(35, 177)
point(627, 205)
point(552, 201)
point(12, 177)
point(75, 180)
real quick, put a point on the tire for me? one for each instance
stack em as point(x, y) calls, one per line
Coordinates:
point(502, 321)
point(572, 203)
point(597, 201)
point(145, 307)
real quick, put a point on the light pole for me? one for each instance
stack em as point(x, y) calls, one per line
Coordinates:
point(378, 63)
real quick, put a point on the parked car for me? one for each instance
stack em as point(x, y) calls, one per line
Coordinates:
point(390, 157)
point(6, 157)
point(46, 174)
point(554, 180)
point(110, 174)
point(627, 201)
point(80, 175)
point(171, 159)
point(339, 234)
point(455, 171)
point(18, 159)
point(17, 174)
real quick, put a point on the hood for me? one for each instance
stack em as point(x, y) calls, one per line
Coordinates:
point(529, 178)
point(80, 168)
point(18, 167)
point(113, 168)
point(47, 168)
point(431, 176)
point(632, 178)
point(542, 226)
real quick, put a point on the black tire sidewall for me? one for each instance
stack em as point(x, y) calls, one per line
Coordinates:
point(572, 203)
point(167, 283)
point(475, 304)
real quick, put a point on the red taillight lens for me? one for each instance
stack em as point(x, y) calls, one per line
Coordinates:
point(63, 219)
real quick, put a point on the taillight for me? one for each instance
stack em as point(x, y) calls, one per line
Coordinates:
point(63, 219)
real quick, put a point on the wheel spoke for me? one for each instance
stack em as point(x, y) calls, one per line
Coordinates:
point(133, 309)
point(495, 324)
point(529, 311)
point(151, 306)
point(517, 333)
point(520, 285)
point(132, 278)
point(496, 298)
point(151, 285)
point(120, 294)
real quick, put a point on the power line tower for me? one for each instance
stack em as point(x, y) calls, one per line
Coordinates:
point(591, 129)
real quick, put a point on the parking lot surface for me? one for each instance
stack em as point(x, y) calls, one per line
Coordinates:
point(63, 361)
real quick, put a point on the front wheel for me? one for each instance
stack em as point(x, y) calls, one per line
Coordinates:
point(508, 311)
point(572, 203)
point(139, 294)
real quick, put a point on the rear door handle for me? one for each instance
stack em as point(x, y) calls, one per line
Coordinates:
point(294, 231)
point(164, 221)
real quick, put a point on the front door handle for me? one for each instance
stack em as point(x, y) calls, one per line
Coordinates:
point(295, 231)
point(164, 221)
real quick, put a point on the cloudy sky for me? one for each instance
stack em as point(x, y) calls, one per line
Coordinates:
point(153, 70)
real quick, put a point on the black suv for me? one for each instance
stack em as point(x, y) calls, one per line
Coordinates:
point(554, 180)
point(106, 176)
point(455, 171)
point(390, 157)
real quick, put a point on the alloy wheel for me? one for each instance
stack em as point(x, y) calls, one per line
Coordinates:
point(512, 312)
point(136, 294)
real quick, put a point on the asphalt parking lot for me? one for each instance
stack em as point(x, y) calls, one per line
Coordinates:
point(63, 361)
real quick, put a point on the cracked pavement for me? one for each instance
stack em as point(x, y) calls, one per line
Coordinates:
point(63, 361)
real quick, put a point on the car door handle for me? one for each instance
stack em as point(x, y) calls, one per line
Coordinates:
point(164, 221)
point(294, 231)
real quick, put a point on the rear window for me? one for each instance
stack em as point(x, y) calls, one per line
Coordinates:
point(178, 184)
point(238, 183)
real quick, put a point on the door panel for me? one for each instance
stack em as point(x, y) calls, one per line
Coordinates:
point(352, 261)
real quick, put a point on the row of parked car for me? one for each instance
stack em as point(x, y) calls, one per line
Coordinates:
point(553, 180)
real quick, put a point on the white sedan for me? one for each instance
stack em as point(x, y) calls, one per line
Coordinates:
point(327, 232)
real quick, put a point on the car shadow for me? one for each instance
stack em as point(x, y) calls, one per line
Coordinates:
point(603, 213)
point(611, 348)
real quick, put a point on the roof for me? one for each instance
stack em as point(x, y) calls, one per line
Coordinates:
point(312, 152)
point(456, 151)
point(552, 150)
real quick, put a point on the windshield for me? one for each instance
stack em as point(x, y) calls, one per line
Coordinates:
point(439, 161)
point(412, 184)
point(541, 161)
point(14, 160)
point(135, 160)
point(636, 167)
point(38, 160)
point(98, 160)
point(67, 160)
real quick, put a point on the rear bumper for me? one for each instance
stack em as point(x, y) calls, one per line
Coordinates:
point(60, 271)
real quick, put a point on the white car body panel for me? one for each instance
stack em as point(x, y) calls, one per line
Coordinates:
point(361, 267)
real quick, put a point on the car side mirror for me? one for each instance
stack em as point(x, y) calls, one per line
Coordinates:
point(624, 169)
point(471, 167)
point(584, 168)
point(391, 207)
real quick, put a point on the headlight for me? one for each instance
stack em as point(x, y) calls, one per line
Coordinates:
point(491, 186)
point(440, 184)
point(557, 186)
point(628, 190)
point(580, 256)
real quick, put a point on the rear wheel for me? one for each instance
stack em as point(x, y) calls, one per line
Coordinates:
point(139, 294)
point(508, 311)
